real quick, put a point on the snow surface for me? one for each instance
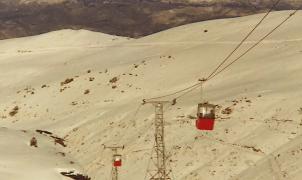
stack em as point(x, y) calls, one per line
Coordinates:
point(260, 139)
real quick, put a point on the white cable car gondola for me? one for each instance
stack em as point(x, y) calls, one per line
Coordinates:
point(205, 112)
point(205, 116)
point(117, 160)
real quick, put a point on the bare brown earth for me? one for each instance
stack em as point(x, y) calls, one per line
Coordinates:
point(132, 18)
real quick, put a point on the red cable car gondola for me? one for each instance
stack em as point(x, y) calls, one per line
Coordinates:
point(205, 116)
point(117, 160)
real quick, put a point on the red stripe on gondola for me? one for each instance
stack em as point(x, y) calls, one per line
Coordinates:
point(117, 163)
point(205, 124)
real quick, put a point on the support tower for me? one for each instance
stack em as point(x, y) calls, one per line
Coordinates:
point(159, 170)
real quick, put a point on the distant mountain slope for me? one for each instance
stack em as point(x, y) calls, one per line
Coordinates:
point(60, 39)
point(133, 18)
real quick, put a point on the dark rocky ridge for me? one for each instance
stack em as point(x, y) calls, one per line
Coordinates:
point(133, 18)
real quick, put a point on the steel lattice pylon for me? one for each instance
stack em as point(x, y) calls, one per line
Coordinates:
point(159, 171)
point(114, 173)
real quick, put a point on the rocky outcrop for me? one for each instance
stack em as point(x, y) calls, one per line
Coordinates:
point(133, 18)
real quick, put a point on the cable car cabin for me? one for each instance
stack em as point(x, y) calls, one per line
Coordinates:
point(117, 160)
point(205, 116)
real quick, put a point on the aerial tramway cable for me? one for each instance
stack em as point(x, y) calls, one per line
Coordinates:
point(256, 44)
point(239, 57)
point(174, 93)
point(245, 38)
point(215, 72)
point(197, 85)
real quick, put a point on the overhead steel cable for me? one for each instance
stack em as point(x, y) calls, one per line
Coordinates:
point(174, 93)
point(245, 38)
point(216, 72)
point(247, 51)
point(194, 86)
point(256, 44)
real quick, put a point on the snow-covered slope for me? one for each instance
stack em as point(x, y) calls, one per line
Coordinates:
point(67, 91)
point(59, 40)
point(19, 160)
